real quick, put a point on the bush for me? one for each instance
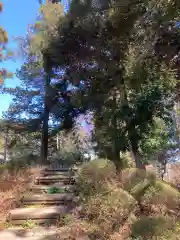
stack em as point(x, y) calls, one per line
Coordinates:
point(66, 158)
point(147, 228)
point(93, 177)
point(109, 203)
point(162, 196)
point(12, 167)
point(127, 160)
point(108, 211)
point(131, 177)
point(139, 190)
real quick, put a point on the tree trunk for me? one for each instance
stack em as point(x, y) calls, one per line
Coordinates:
point(162, 159)
point(44, 139)
point(115, 143)
point(57, 142)
point(131, 129)
point(175, 124)
point(45, 127)
point(137, 156)
point(5, 145)
point(117, 161)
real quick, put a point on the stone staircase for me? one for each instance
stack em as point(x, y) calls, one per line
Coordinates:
point(47, 200)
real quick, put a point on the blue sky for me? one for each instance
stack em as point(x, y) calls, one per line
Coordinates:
point(16, 16)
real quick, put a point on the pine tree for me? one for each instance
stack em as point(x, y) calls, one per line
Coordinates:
point(39, 37)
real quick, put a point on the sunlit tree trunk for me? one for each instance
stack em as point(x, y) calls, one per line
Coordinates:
point(45, 126)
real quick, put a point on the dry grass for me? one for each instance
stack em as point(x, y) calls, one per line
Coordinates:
point(76, 230)
point(13, 183)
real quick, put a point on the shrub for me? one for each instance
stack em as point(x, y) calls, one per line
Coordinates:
point(54, 190)
point(109, 203)
point(162, 198)
point(66, 158)
point(93, 177)
point(127, 160)
point(11, 167)
point(162, 192)
point(108, 211)
point(147, 228)
point(29, 224)
point(139, 190)
point(130, 177)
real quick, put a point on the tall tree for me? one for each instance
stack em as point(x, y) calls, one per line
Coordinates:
point(44, 92)
point(39, 37)
point(111, 48)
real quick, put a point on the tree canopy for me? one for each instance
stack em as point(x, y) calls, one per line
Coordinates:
point(115, 60)
point(111, 48)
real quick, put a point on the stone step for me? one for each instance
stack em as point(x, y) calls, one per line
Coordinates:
point(33, 204)
point(37, 233)
point(39, 214)
point(60, 198)
point(54, 179)
point(45, 188)
point(60, 169)
point(47, 173)
point(39, 222)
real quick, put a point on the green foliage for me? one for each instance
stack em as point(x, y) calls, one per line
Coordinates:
point(155, 141)
point(45, 30)
point(162, 193)
point(138, 191)
point(92, 178)
point(25, 145)
point(134, 201)
point(29, 224)
point(146, 188)
point(132, 178)
point(151, 228)
point(66, 158)
point(156, 228)
point(108, 211)
point(55, 190)
point(13, 167)
point(71, 145)
point(106, 205)
point(127, 160)
point(125, 84)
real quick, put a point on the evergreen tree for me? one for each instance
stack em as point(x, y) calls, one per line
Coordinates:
point(38, 41)
point(111, 48)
